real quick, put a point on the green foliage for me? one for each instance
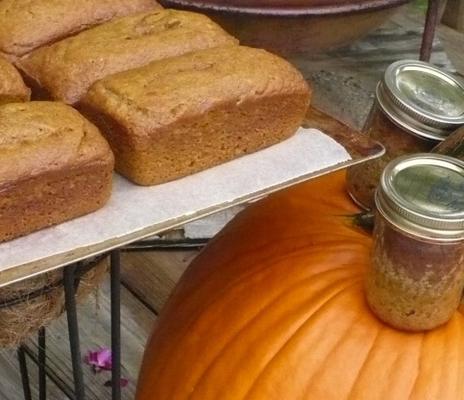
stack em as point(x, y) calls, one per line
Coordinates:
point(421, 4)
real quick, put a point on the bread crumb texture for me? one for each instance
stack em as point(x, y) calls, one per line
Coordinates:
point(178, 116)
point(55, 166)
point(68, 68)
point(28, 24)
point(12, 87)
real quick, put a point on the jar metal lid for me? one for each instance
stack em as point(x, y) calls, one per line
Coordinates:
point(423, 194)
point(422, 99)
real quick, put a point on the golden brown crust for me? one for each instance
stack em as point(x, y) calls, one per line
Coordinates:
point(68, 68)
point(55, 166)
point(12, 87)
point(41, 136)
point(28, 24)
point(181, 115)
point(49, 199)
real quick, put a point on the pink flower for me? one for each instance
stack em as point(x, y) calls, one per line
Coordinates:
point(99, 360)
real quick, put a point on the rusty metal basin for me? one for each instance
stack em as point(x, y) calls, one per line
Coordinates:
point(294, 26)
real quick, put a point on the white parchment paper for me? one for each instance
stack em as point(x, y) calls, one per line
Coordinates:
point(135, 212)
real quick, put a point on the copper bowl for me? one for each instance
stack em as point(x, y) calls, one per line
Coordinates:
point(294, 26)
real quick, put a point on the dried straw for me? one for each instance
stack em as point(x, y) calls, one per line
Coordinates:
point(24, 318)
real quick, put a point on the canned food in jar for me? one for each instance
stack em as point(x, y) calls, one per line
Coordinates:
point(416, 277)
point(417, 106)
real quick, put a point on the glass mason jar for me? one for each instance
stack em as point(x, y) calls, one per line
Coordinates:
point(416, 277)
point(416, 107)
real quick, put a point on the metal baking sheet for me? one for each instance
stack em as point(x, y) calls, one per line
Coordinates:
point(136, 212)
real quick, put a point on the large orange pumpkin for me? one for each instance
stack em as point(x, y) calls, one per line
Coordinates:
point(274, 309)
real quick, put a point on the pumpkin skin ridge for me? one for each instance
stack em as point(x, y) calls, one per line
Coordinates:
point(416, 364)
point(378, 337)
point(381, 331)
point(306, 250)
point(461, 334)
point(333, 348)
point(421, 352)
point(318, 333)
point(461, 337)
point(442, 331)
point(227, 263)
point(419, 357)
point(387, 329)
point(245, 276)
point(322, 303)
point(368, 355)
point(345, 207)
point(300, 249)
point(269, 304)
point(326, 303)
point(392, 367)
point(343, 338)
point(262, 246)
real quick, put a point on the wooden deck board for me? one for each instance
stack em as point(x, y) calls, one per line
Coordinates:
point(94, 319)
point(10, 386)
point(454, 15)
point(453, 41)
point(344, 80)
point(151, 276)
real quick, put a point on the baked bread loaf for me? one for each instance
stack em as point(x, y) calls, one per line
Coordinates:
point(181, 115)
point(12, 87)
point(55, 165)
point(68, 68)
point(28, 24)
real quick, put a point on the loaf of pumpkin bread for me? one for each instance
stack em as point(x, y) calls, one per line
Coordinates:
point(55, 165)
point(68, 68)
point(12, 87)
point(28, 24)
point(181, 115)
